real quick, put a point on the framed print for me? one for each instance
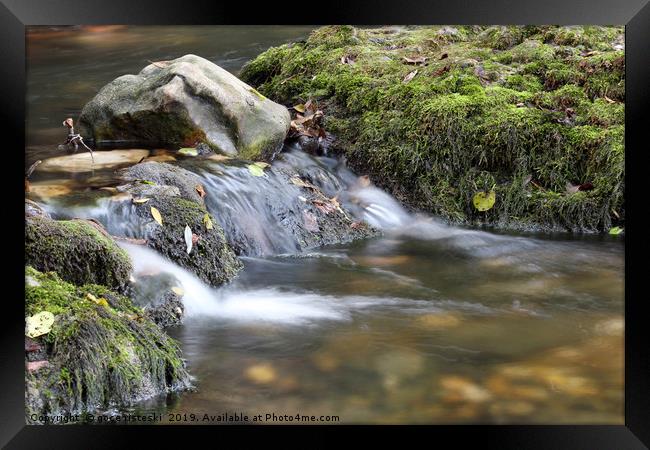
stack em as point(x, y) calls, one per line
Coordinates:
point(406, 217)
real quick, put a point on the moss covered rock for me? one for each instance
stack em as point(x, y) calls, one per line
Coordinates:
point(174, 194)
point(529, 111)
point(101, 352)
point(77, 250)
point(184, 102)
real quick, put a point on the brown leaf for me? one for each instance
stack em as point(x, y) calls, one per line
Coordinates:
point(444, 55)
point(355, 225)
point(195, 238)
point(591, 53)
point(409, 76)
point(323, 206)
point(200, 190)
point(586, 186)
point(415, 60)
point(441, 70)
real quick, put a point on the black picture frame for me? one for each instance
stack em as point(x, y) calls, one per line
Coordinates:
point(634, 14)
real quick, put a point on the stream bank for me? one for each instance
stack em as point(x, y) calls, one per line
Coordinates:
point(436, 114)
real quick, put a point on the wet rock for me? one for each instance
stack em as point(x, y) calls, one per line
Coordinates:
point(82, 162)
point(460, 389)
point(106, 354)
point(211, 258)
point(182, 102)
point(77, 250)
point(159, 300)
point(438, 321)
point(164, 174)
point(175, 195)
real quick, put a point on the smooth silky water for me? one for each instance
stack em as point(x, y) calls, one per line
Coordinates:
point(425, 324)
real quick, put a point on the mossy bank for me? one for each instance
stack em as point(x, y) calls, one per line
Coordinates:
point(535, 113)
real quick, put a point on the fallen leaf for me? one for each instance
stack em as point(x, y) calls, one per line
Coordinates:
point(441, 70)
point(156, 215)
point(195, 238)
point(39, 324)
point(139, 201)
point(255, 170)
point(609, 100)
point(615, 231)
point(586, 186)
point(146, 182)
point(444, 55)
point(325, 207)
point(484, 201)
point(355, 225)
point(188, 151)
point(207, 221)
point(416, 60)
point(300, 108)
point(68, 122)
point(262, 164)
point(34, 366)
point(409, 76)
point(346, 59)
point(591, 53)
point(188, 238)
point(200, 190)
point(178, 291)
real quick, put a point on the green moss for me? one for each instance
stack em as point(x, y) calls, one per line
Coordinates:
point(77, 251)
point(99, 355)
point(211, 259)
point(505, 104)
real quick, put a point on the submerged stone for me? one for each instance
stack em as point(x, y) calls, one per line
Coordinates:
point(83, 162)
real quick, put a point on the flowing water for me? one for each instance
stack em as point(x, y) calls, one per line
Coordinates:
point(424, 324)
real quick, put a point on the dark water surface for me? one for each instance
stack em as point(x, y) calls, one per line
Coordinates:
point(426, 324)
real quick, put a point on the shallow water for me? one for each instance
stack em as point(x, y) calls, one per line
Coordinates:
point(425, 324)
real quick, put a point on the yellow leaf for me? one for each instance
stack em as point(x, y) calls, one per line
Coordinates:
point(139, 201)
point(300, 108)
point(256, 170)
point(178, 291)
point(90, 296)
point(484, 201)
point(262, 164)
point(156, 215)
point(207, 221)
point(39, 324)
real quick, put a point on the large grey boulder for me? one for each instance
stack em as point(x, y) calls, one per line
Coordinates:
point(181, 103)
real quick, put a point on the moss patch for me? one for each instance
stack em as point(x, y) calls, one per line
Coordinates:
point(100, 354)
point(77, 251)
point(526, 109)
